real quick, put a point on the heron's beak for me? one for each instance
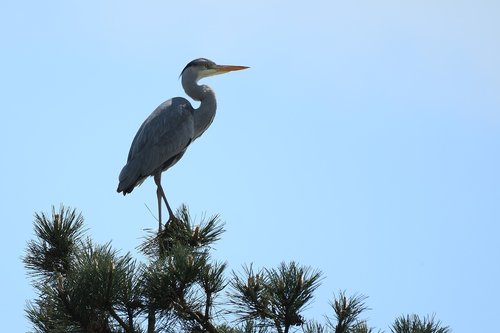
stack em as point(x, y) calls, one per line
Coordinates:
point(221, 69)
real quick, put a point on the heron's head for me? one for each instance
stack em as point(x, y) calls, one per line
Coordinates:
point(201, 68)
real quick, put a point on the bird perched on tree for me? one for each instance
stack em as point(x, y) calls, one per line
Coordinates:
point(165, 135)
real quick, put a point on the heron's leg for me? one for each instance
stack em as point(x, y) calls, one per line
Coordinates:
point(170, 212)
point(158, 195)
point(160, 192)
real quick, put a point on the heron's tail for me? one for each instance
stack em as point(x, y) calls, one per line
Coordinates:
point(129, 178)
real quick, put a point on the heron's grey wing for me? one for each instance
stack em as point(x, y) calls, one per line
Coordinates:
point(159, 143)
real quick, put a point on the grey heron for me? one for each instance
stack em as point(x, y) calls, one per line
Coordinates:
point(165, 135)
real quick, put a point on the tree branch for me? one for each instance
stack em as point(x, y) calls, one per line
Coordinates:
point(208, 305)
point(204, 321)
point(120, 321)
point(151, 320)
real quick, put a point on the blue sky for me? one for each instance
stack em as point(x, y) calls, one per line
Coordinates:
point(364, 141)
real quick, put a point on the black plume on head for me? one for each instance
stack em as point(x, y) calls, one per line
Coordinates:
point(199, 62)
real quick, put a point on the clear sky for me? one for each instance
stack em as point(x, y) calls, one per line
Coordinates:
point(364, 141)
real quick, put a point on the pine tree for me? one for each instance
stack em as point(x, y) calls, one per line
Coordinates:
point(86, 287)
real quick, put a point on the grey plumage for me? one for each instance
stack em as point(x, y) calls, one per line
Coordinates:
point(164, 136)
point(159, 143)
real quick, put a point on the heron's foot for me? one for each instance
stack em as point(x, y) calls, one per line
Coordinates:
point(172, 223)
point(168, 225)
point(168, 231)
point(172, 219)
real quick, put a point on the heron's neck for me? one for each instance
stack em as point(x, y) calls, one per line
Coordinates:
point(205, 113)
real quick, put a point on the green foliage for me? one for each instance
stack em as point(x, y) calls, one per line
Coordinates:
point(56, 240)
point(248, 326)
point(314, 327)
point(86, 287)
point(181, 281)
point(346, 312)
point(274, 297)
point(100, 286)
point(361, 327)
point(183, 231)
point(414, 324)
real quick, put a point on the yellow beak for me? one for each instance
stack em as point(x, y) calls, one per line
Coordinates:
point(220, 69)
